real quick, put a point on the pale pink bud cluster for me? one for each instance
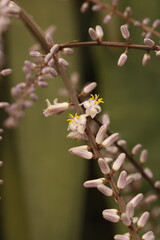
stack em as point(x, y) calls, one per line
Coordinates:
point(97, 33)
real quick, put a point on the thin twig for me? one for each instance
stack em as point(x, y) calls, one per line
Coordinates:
point(116, 12)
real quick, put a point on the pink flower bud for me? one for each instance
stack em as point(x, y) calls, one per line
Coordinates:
point(93, 183)
point(112, 217)
point(82, 153)
point(118, 162)
point(103, 166)
point(35, 54)
point(90, 87)
point(136, 149)
point(121, 183)
point(121, 237)
point(99, 32)
point(130, 209)
point(148, 236)
point(126, 219)
point(93, 34)
point(125, 32)
point(137, 199)
point(110, 140)
point(146, 59)
point(149, 42)
point(143, 220)
point(122, 60)
point(96, 8)
point(101, 134)
point(63, 62)
point(107, 19)
point(6, 72)
point(105, 190)
point(84, 7)
point(143, 156)
point(54, 49)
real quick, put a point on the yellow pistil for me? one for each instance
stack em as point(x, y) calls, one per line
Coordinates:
point(96, 98)
point(75, 117)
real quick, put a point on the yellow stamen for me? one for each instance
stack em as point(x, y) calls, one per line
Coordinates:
point(75, 117)
point(96, 98)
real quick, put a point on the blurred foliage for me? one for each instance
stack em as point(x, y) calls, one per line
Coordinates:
point(43, 196)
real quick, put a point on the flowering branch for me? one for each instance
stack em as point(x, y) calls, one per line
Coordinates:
point(40, 36)
point(113, 10)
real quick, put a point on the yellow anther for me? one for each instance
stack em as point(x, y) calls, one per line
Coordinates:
point(96, 98)
point(72, 118)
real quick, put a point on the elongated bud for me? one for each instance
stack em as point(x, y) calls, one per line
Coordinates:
point(93, 183)
point(63, 62)
point(105, 119)
point(150, 199)
point(85, 147)
point(99, 32)
point(93, 34)
point(157, 184)
point(122, 143)
point(143, 220)
point(125, 32)
point(110, 140)
point(136, 149)
point(35, 54)
point(125, 219)
point(101, 134)
point(6, 72)
point(105, 190)
point(111, 217)
point(148, 236)
point(82, 153)
point(156, 23)
point(107, 19)
point(146, 59)
point(121, 183)
point(90, 87)
point(68, 51)
point(84, 7)
point(54, 49)
point(146, 21)
point(130, 209)
point(96, 7)
point(118, 162)
point(143, 156)
point(121, 237)
point(137, 199)
point(149, 42)
point(148, 172)
point(122, 60)
point(103, 166)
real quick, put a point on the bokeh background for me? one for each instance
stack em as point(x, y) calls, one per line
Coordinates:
point(43, 195)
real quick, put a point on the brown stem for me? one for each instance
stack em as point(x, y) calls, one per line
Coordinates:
point(109, 44)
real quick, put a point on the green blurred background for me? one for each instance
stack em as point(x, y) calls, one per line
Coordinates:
point(43, 195)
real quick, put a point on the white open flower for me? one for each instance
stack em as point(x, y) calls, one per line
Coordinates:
point(92, 105)
point(77, 123)
point(55, 108)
